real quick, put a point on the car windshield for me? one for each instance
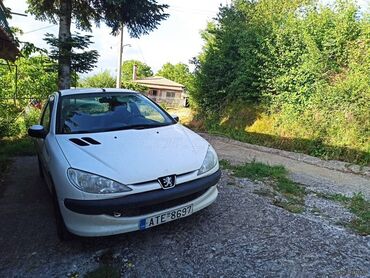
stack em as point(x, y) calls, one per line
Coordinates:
point(109, 111)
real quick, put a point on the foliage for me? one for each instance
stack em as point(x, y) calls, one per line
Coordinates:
point(359, 206)
point(16, 146)
point(263, 132)
point(81, 61)
point(179, 73)
point(15, 121)
point(36, 78)
point(10, 121)
point(143, 70)
point(139, 17)
point(307, 65)
point(134, 86)
point(11, 147)
point(277, 177)
point(105, 80)
point(99, 80)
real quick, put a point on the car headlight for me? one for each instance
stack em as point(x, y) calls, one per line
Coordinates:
point(91, 183)
point(210, 161)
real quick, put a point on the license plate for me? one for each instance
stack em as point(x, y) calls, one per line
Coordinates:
point(165, 217)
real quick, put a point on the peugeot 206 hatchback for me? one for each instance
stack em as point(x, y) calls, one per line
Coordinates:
point(115, 162)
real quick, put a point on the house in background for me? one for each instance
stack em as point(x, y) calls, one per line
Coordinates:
point(8, 46)
point(163, 90)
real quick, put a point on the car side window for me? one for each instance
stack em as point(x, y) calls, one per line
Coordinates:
point(46, 115)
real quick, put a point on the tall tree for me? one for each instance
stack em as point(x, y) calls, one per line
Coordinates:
point(139, 16)
point(81, 61)
point(179, 73)
point(99, 80)
point(143, 70)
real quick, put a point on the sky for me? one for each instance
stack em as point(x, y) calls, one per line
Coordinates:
point(177, 39)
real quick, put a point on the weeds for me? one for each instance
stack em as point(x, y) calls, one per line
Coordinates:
point(16, 146)
point(314, 147)
point(359, 206)
point(276, 176)
point(12, 147)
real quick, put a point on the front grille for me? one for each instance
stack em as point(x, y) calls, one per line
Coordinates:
point(148, 182)
point(160, 206)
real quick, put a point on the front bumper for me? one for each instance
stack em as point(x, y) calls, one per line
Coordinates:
point(109, 206)
point(95, 217)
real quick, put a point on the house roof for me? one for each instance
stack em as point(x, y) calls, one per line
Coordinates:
point(159, 82)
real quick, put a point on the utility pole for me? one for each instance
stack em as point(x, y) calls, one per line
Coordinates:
point(119, 68)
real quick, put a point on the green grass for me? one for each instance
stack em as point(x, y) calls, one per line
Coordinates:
point(13, 147)
point(314, 147)
point(17, 146)
point(359, 206)
point(276, 176)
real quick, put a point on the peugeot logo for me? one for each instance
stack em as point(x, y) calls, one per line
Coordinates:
point(167, 182)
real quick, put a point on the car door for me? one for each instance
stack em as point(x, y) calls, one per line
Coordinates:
point(42, 144)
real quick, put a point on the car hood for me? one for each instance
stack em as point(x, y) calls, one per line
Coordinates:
point(136, 156)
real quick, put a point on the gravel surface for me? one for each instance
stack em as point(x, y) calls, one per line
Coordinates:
point(324, 176)
point(241, 235)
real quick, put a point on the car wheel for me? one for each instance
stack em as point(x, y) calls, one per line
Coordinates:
point(41, 172)
point(62, 231)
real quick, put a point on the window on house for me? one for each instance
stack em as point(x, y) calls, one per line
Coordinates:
point(170, 94)
point(154, 93)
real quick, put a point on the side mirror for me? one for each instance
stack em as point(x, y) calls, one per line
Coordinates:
point(176, 118)
point(37, 131)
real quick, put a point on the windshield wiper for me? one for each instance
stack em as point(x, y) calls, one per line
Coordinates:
point(138, 126)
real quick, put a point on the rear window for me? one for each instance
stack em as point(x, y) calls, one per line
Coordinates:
point(107, 112)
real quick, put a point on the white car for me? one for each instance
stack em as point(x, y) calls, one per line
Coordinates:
point(115, 161)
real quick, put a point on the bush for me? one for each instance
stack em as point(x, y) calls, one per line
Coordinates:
point(9, 123)
point(32, 117)
point(292, 74)
point(15, 122)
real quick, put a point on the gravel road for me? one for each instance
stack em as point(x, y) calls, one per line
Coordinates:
point(325, 176)
point(241, 235)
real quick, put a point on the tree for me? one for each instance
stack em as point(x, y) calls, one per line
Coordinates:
point(99, 80)
point(179, 73)
point(143, 70)
point(36, 78)
point(81, 61)
point(139, 16)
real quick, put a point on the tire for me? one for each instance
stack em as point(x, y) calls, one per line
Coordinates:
point(62, 231)
point(41, 172)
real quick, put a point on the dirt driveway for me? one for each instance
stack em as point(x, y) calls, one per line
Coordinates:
point(240, 235)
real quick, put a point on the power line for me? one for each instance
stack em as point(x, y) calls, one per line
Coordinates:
point(141, 52)
point(42, 28)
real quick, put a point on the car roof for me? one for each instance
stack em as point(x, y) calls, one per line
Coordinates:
point(94, 90)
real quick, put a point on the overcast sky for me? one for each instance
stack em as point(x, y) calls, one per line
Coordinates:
point(177, 39)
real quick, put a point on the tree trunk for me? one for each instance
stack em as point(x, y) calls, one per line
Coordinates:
point(64, 61)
